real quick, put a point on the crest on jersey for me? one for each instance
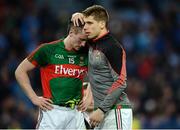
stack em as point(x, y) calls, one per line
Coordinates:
point(81, 61)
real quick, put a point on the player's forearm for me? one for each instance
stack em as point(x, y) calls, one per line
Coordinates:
point(24, 82)
point(88, 97)
point(111, 99)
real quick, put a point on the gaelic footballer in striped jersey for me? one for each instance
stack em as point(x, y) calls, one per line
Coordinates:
point(63, 66)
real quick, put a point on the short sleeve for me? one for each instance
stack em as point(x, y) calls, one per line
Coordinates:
point(39, 56)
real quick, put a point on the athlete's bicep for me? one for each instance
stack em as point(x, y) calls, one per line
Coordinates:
point(25, 66)
point(39, 56)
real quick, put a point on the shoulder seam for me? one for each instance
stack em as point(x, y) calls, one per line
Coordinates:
point(54, 42)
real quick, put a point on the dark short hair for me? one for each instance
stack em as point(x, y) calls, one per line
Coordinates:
point(98, 12)
point(76, 29)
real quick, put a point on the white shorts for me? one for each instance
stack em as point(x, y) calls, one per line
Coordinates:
point(60, 118)
point(120, 119)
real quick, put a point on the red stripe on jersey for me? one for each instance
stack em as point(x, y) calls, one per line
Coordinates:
point(122, 76)
point(34, 63)
point(118, 118)
point(45, 78)
point(64, 70)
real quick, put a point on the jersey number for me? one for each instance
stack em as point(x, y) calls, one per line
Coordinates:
point(71, 60)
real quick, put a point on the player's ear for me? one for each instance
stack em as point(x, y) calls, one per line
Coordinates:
point(70, 33)
point(102, 24)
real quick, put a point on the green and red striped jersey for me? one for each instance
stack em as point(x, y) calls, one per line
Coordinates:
point(62, 71)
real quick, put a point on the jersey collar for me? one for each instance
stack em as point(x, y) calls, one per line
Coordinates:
point(96, 39)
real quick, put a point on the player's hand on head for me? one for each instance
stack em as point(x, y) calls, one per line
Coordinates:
point(77, 17)
point(43, 103)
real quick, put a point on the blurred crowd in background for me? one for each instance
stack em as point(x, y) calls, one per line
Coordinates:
point(148, 29)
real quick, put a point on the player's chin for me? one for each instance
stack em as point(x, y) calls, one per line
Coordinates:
point(91, 37)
